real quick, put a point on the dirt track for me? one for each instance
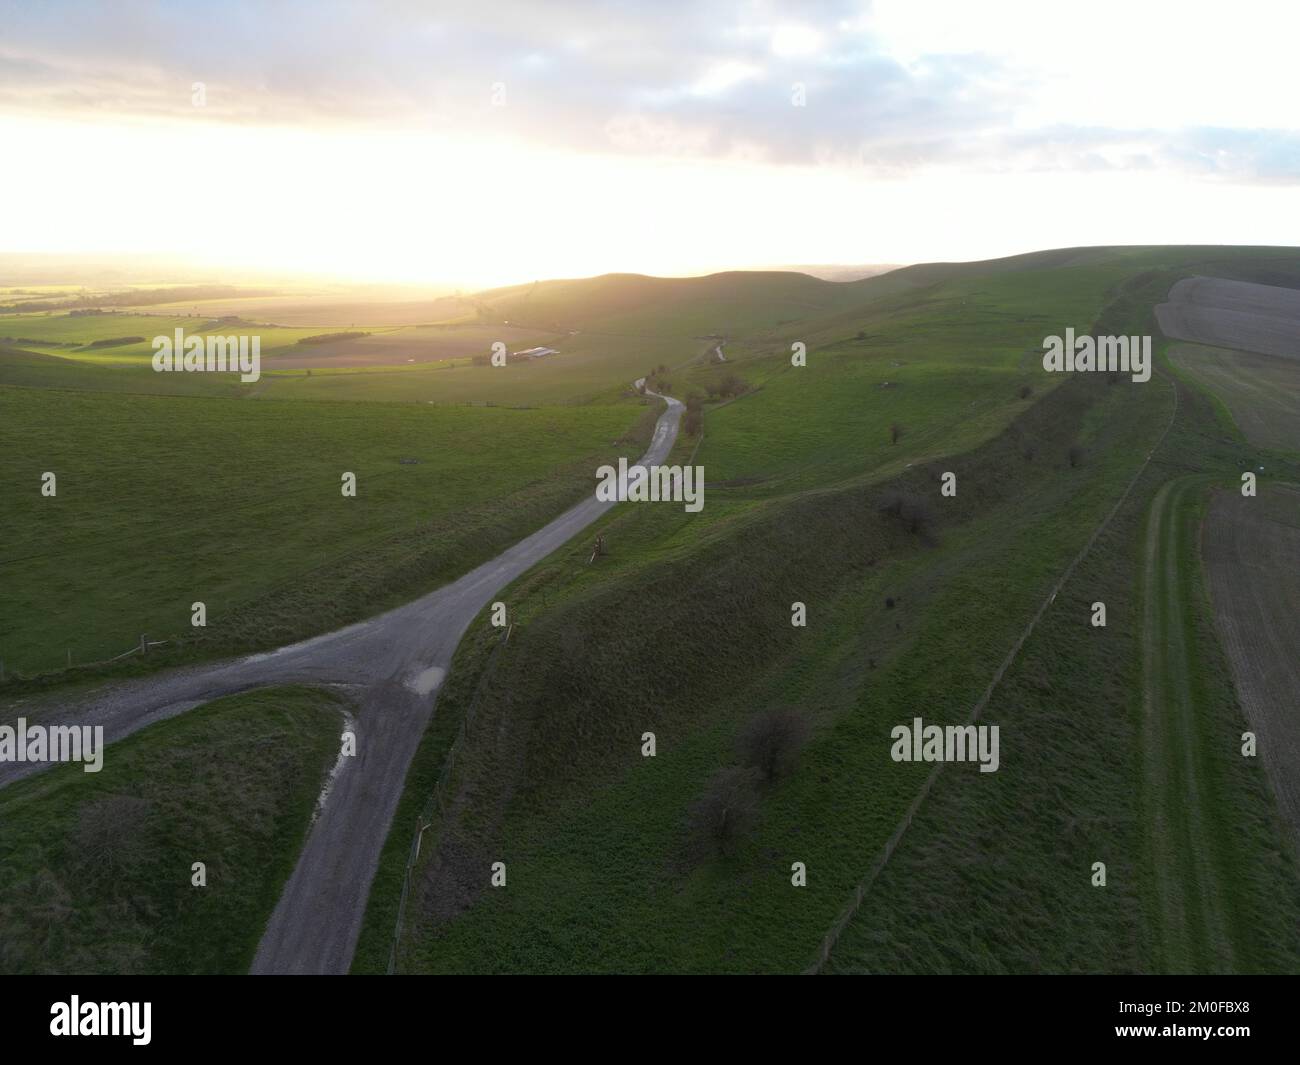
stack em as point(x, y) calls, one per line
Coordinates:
point(1233, 314)
point(1191, 926)
point(1250, 550)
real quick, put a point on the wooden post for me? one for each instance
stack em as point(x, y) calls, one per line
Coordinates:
point(144, 642)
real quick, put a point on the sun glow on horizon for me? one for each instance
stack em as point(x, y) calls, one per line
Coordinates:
point(477, 211)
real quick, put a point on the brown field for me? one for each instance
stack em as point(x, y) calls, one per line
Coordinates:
point(1233, 314)
point(1250, 548)
point(1261, 392)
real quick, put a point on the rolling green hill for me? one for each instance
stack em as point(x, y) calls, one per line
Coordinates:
point(683, 630)
point(822, 489)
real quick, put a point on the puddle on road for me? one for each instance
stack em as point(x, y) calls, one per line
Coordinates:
point(424, 683)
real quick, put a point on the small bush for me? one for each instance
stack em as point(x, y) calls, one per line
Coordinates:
point(732, 385)
point(913, 512)
point(771, 742)
point(724, 814)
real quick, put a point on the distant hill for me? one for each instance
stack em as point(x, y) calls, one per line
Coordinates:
point(837, 271)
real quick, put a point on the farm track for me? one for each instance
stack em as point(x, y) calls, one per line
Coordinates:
point(1190, 920)
point(392, 665)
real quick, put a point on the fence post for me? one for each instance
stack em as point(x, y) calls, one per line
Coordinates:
point(144, 643)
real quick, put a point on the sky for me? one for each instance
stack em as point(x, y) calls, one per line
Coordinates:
point(501, 141)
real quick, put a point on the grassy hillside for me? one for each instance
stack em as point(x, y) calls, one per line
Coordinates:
point(823, 489)
point(684, 630)
point(165, 501)
point(95, 868)
point(1199, 876)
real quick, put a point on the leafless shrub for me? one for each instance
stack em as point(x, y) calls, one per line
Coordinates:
point(721, 817)
point(772, 740)
point(913, 512)
point(732, 385)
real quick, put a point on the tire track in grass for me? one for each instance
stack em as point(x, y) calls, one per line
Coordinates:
point(1190, 917)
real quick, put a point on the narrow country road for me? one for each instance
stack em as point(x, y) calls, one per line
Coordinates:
point(394, 665)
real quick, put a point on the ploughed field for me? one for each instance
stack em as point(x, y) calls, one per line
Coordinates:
point(1251, 546)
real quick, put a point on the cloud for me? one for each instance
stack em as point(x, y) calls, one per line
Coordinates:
point(808, 84)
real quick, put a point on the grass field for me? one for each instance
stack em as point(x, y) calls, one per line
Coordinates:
point(165, 501)
point(95, 868)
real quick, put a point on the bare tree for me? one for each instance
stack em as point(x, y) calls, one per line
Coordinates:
point(914, 512)
point(732, 384)
point(722, 816)
point(772, 740)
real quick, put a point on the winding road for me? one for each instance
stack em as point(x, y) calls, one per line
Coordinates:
point(393, 665)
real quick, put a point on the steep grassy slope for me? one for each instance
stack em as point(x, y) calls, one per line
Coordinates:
point(1199, 876)
point(704, 642)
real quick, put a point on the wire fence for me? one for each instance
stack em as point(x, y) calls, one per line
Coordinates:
point(438, 797)
point(139, 649)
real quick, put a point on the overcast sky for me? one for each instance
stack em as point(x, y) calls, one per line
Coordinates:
point(499, 141)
